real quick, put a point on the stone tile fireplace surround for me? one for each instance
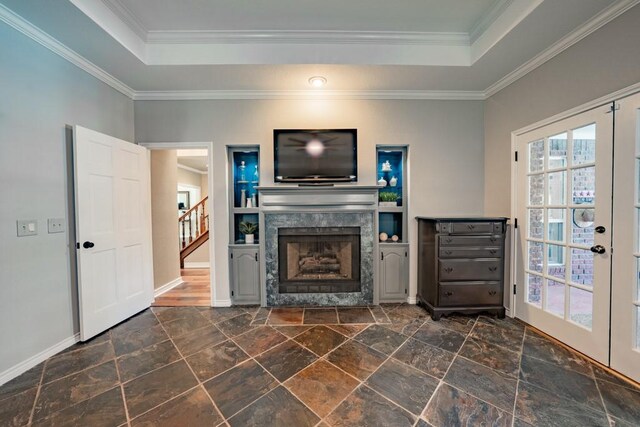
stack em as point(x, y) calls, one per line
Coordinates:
point(315, 209)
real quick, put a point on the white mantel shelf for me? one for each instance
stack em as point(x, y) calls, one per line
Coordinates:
point(318, 198)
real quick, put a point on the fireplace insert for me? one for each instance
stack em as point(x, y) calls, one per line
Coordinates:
point(319, 259)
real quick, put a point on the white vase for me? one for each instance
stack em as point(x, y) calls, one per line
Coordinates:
point(393, 181)
point(248, 239)
point(382, 182)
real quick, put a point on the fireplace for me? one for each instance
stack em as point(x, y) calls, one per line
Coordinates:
point(319, 259)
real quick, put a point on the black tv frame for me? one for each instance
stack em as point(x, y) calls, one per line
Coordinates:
point(317, 179)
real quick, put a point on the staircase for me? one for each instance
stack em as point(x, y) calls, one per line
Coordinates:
point(194, 229)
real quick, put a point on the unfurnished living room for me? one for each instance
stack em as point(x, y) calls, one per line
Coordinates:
point(338, 213)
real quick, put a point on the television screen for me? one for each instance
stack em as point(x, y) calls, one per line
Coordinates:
point(315, 155)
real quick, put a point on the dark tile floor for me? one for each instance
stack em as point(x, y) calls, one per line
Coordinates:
point(373, 366)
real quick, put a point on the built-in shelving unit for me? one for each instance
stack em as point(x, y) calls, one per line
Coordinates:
point(244, 177)
point(391, 169)
point(244, 260)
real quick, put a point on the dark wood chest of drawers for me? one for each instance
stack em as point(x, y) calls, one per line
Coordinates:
point(461, 265)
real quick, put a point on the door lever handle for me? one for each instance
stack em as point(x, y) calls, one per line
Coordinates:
point(88, 245)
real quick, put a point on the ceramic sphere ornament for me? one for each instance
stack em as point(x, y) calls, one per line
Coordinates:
point(395, 238)
point(384, 237)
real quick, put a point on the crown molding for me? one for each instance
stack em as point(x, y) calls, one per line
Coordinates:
point(190, 169)
point(39, 36)
point(202, 95)
point(128, 17)
point(485, 21)
point(597, 22)
point(308, 37)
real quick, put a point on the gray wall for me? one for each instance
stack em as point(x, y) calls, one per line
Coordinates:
point(605, 61)
point(164, 217)
point(445, 138)
point(39, 94)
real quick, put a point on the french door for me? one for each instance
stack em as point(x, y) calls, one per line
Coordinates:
point(625, 297)
point(564, 189)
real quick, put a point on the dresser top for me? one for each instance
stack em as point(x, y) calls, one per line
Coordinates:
point(462, 218)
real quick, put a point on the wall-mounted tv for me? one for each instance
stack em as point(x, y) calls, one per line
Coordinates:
point(315, 156)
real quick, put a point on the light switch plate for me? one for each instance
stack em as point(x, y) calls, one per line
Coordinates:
point(27, 227)
point(55, 225)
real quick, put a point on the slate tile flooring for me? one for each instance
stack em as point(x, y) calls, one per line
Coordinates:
point(388, 365)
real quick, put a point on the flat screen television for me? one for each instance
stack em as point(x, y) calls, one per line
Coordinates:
point(315, 156)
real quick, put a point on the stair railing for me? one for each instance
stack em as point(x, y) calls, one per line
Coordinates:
point(193, 223)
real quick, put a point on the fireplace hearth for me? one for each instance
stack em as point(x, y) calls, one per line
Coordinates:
point(319, 259)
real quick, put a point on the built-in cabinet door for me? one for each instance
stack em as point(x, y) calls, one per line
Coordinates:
point(245, 269)
point(393, 273)
point(625, 274)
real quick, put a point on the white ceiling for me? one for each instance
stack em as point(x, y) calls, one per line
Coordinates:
point(218, 49)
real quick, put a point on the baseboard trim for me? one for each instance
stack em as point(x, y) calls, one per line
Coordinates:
point(167, 287)
point(221, 303)
point(24, 366)
point(202, 264)
point(412, 300)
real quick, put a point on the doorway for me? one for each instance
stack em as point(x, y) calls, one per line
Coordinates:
point(181, 220)
point(578, 199)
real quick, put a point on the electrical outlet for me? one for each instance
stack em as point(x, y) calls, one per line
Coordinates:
point(55, 225)
point(27, 227)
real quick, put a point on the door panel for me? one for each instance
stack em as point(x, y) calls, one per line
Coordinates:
point(113, 213)
point(625, 317)
point(246, 275)
point(564, 191)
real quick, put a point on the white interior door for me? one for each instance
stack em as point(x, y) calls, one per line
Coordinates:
point(564, 239)
point(625, 297)
point(113, 223)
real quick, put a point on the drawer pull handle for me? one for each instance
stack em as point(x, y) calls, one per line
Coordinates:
point(448, 269)
point(448, 293)
point(471, 226)
point(448, 252)
point(492, 269)
point(493, 239)
point(449, 240)
point(492, 293)
point(492, 251)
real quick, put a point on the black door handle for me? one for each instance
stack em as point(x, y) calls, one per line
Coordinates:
point(598, 249)
point(88, 245)
point(600, 229)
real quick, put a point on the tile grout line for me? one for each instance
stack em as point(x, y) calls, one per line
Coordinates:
point(184, 359)
point(121, 386)
point(35, 399)
point(604, 406)
point(515, 400)
point(450, 365)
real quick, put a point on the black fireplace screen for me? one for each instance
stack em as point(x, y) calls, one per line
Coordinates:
point(320, 259)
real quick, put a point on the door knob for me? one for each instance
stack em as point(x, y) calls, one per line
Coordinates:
point(600, 229)
point(598, 249)
point(88, 245)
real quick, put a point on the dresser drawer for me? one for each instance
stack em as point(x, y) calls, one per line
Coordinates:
point(464, 252)
point(493, 240)
point(469, 269)
point(472, 228)
point(470, 294)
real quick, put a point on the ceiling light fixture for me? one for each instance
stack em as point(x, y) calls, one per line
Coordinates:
point(317, 81)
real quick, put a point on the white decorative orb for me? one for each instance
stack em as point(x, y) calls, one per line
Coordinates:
point(395, 238)
point(384, 237)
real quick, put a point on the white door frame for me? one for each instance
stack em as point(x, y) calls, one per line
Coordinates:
point(209, 146)
point(600, 102)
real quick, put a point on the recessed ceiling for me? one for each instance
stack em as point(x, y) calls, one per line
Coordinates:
point(219, 49)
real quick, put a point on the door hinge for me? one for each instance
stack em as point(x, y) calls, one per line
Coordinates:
point(405, 254)
point(514, 288)
point(405, 290)
point(231, 293)
point(515, 223)
point(231, 255)
point(516, 156)
point(613, 107)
